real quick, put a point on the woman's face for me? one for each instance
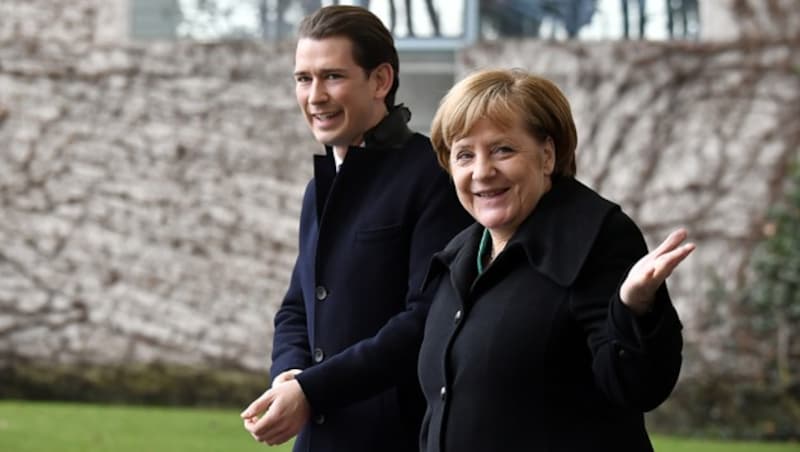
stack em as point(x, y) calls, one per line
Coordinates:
point(500, 175)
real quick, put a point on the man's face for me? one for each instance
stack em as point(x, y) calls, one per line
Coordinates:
point(339, 100)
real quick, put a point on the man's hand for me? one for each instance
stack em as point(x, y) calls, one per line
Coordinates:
point(285, 376)
point(639, 288)
point(285, 411)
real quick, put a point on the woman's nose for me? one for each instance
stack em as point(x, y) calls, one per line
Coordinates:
point(484, 167)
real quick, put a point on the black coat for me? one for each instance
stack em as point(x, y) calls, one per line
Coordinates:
point(538, 353)
point(353, 315)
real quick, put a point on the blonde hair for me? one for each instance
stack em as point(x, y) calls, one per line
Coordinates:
point(507, 97)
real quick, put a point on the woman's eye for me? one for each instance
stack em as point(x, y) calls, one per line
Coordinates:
point(463, 155)
point(503, 150)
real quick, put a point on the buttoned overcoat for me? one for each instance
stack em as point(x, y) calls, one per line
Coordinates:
point(538, 353)
point(354, 314)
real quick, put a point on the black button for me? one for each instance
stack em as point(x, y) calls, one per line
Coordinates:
point(458, 315)
point(621, 353)
point(318, 355)
point(321, 293)
point(443, 392)
point(319, 419)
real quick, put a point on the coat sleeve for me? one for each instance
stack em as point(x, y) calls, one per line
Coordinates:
point(290, 349)
point(635, 360)
point(389, 358)
point(290, 345)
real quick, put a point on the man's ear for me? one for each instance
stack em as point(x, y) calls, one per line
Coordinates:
point(384, 78)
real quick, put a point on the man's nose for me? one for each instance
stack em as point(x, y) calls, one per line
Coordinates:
point(317, 93)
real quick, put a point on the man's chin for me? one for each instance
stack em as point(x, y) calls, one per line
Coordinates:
point(324, 138)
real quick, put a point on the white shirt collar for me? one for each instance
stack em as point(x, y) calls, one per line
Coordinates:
point(338, 160)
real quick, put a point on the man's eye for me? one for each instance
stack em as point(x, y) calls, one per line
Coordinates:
point(333, 76)
point(302, 79)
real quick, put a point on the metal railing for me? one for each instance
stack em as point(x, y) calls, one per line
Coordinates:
point(428, 24)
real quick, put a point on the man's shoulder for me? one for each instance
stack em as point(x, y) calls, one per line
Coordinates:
point(417, 143)
point(419, 148)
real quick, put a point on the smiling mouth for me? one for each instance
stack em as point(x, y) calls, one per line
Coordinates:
point(324, 116)
point(491, 193)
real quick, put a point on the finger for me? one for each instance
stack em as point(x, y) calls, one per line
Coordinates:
point(669, 261)
point(250, 423)
point(279, 436)
point(258, 405)
point(671, 242)
point(272, 421)
point(272, 433)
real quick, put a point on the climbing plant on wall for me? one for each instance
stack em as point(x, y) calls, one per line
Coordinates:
point(774, 295)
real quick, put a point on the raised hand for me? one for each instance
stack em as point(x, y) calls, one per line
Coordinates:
point(639, 288)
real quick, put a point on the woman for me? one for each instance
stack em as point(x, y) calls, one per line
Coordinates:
point(551, 328)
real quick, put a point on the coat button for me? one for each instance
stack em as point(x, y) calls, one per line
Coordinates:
point(319, 419)
point(443, 393)
point(319, 355)
point(458, 316)
point(321, 293)
point(621, 353)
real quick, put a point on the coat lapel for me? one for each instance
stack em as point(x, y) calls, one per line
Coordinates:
point(324, 174)
point(555, 239)
point(559, 234)
point(459, 259)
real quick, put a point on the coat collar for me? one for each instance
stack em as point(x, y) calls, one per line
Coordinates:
point(556, 238)
point(392, 131)
point(389, 134)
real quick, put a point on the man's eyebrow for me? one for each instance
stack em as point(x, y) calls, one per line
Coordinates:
point(321, 71)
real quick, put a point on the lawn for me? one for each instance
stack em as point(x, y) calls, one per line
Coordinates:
point(62, 427)
point(38, 427)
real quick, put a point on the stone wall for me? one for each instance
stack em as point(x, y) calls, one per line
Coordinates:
point(731, 20)
point(150, 192)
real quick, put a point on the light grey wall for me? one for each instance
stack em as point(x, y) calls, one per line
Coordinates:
point(150, 192)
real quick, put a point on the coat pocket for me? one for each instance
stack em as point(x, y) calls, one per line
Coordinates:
point(379, 233)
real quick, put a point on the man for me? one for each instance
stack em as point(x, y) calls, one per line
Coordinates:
point(347, 334)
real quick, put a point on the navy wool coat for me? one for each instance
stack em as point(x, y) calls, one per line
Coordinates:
point(538, 353)
point(354, 314)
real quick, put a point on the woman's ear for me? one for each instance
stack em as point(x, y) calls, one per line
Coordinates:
point(384, 79)
point(549, 154)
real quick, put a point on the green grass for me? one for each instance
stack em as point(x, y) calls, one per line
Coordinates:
point(670, 444)
point(63, 427)
point(67, 427)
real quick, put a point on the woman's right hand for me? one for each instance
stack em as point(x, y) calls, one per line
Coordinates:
point(639, 288)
